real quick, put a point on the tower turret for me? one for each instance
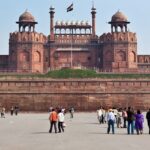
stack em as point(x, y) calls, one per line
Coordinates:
point(119, 46)
point(119, 20)
point(26, 20)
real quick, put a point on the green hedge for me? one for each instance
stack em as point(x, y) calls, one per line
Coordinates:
point(78, 73)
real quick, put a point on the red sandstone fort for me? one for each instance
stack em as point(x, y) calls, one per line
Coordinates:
point(73, 44)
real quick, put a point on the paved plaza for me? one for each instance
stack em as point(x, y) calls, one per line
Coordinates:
point(29, 131)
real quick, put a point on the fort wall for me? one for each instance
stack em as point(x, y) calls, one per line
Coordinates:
point(83, 94)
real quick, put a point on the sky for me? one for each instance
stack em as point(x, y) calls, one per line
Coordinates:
point(137, 11)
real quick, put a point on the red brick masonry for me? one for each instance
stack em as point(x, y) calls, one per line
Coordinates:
point(87, 94)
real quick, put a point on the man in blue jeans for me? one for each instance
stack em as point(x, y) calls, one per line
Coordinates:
point(111, 121)
point(130, 119)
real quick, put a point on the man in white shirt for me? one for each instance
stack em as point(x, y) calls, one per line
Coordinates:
point(61, 119)
point(99, 115)
point(111, 121)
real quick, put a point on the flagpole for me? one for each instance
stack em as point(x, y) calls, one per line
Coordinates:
point(70, 8)
point(71, 44)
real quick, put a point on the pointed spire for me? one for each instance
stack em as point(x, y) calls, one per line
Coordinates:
point(93, 6)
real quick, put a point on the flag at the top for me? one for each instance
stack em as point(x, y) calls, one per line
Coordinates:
point(70, 8)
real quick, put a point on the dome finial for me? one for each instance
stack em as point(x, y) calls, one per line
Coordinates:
point(52, 8)
point(93, 5)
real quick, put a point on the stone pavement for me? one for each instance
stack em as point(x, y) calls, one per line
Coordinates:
point(30, 132)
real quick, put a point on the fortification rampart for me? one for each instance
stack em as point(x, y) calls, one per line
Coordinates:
point(86, 94)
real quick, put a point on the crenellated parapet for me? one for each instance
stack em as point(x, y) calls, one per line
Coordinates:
point(118, 37)
point(27, 37)
point(72, 38)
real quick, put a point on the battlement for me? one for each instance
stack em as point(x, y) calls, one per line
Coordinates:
point(27, 37)
point(82, 39)
point(74, 24)
point(118, 36)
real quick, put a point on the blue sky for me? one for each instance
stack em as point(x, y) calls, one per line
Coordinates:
point(137, 12)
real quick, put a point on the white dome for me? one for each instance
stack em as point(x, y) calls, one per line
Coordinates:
point(77, 23)
point(63, 23)
point(83, 23)
point(68, 22)
point(87, 23)
point(58, 23)
point(72, 22)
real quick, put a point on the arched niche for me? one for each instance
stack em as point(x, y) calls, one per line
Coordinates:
point(24, 56)
point(132, 57)
point(37, 56)
point(120, 56)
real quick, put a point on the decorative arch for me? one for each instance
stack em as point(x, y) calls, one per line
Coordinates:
point(121, 56)
point(24, 56)
point(37, 57)
point(132, 56)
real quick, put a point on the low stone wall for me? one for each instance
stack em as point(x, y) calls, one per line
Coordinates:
point(84, 94)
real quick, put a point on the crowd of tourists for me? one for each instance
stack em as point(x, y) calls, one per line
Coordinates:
point(120, 118)
point(123, 118)
point(13, 110)
point(57, 119)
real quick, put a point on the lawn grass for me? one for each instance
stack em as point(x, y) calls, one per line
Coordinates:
point(78, 73)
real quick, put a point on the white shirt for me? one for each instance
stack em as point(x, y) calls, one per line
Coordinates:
point(61, 117)
point(99, 112)
point(110, 116)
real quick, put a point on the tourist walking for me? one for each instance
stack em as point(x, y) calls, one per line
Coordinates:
point(130, 119)
point(124, 115)
point(53, 120)
point(111, 120)
point(16, 110)
point(12, 111)
point(119, 119)
point(148, 119)
point(3, 112)
point(99, 115)
point(71, 110)
point(139, 120)
point(61, 119)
